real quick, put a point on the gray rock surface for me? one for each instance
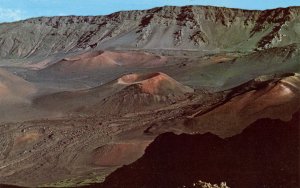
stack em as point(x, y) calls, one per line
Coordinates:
point(189, 27)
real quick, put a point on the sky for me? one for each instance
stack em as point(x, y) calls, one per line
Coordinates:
point(14, 10)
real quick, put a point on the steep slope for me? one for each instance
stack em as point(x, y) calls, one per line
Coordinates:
point(155, 84)
point(224, 75)
point(266, 153)
point(270, 98)
point(130, 93)
point(189, 27)
point(231, 111)
point(145, 92)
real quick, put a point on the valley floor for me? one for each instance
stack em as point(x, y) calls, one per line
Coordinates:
point(75, 121)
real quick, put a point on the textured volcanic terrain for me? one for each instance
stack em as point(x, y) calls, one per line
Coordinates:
point(274, 99)
point(190, 27)
point(83, 96)
point(130, 93)
point(149, 91)
point(88, 146)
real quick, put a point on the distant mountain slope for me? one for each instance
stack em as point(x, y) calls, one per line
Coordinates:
point(266, 154)
point(189, 27)
point(96, 61)
point(228, 74)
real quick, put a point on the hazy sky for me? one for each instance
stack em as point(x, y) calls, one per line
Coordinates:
point(13, 10)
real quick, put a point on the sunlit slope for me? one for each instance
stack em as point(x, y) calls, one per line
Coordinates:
point(189, 27)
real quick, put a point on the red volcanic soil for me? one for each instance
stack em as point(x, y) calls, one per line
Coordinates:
point(155, 84)
point(93, 61)
point(276, 100)
point(143, 92)
point(133, 92)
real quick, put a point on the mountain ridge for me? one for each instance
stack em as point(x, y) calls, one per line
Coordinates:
point(187, 27)
point(103, 15)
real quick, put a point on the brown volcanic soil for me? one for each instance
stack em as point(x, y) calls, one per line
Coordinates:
point(275, 100)
point(81, 145)
point(130, 93)
point(14, 89)
point(15, 98)
point(78, 148)
point(81, 136)
point(145, 92)
point(118, 154)
point(264, 97)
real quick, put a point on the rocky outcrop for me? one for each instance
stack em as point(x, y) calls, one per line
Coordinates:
point(189, 27)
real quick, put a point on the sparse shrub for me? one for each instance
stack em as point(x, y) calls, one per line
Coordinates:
point(202, 184)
